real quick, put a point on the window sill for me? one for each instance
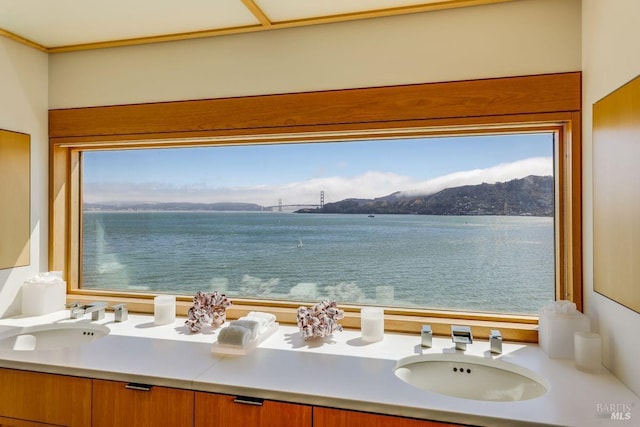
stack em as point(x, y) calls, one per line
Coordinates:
point(513, 327)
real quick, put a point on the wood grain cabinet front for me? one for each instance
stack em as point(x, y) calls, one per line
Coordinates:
point(218, 410)
point(33, 399)
point(128, 404)
point(8, 422)
point(326, 417)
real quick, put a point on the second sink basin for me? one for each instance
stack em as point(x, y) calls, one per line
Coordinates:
point(471, 377)
point(51, 336)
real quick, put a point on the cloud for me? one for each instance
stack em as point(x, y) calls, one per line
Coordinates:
point(542, 166)
point(367, 185)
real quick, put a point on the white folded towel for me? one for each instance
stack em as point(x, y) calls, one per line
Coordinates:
point(252, 325)
point(262, 324)
point(268, 317)
point(264, 320)
point(234, 335)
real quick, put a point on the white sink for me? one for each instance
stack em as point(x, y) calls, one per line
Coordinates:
point(471, 377)
point(51, 336)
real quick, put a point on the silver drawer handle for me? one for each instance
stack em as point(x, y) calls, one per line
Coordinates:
point(243, 400)
point(138, 387)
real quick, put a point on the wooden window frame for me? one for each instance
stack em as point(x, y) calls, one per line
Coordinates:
point(550, 102)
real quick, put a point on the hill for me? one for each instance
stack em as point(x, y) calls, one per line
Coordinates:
point(172, 206)
point(529, 196)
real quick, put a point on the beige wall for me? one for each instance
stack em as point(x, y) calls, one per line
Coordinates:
point(610, 32)
point(515, 38)
point(23, 108)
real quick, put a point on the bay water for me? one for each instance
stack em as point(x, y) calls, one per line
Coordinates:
point(476, 263)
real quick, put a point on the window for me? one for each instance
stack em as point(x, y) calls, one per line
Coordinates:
point(541, 105)
point(454, 223)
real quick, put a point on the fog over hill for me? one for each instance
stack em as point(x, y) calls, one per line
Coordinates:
point(529, 196)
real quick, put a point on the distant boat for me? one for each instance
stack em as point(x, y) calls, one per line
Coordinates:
point(300, 244)
point(371, 216)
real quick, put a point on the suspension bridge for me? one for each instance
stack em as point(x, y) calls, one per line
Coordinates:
point(280, 207)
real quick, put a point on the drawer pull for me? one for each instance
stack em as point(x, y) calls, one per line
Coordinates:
point(138, 387)
point(243, 400)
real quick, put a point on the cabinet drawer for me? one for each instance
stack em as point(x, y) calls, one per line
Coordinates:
point(219, 410)
point(126, 404)
point(44, 398)
point(10, 422)
point(326, 417)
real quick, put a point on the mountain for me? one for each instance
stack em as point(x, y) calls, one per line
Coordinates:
point(172, 206)
point(529, 196)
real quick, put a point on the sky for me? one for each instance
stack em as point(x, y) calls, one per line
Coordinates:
point(296, 173)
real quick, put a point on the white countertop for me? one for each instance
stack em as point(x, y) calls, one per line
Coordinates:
point(341, 372)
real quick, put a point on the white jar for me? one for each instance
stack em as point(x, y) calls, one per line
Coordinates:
point(164, 309)
point(372, 324)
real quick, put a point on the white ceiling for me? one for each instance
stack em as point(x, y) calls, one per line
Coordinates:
point(61, 25)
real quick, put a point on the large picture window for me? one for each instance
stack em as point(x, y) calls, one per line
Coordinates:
point(457, 223)
point(443, 202)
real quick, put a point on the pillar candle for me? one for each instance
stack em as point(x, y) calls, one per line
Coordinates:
point(372, 324)
point(588, 351)
point(164, 309)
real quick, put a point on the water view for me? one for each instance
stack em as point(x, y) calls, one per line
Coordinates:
point(478, 263)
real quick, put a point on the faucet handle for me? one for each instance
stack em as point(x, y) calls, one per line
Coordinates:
point(495, 341)
point(75, 310)
point(426, 336)
point(120, 312)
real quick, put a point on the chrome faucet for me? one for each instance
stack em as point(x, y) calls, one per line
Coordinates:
point(461, 336)
point(77, 311)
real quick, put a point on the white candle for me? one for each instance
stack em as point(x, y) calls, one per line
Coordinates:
point(164, 309)
point(372, 324)
point(588, 351)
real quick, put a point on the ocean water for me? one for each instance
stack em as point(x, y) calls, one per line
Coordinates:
point(478, 263)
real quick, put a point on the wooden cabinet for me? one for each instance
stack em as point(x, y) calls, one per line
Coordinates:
point(126, 404)
point(30, 399)
point(325, 417)
point(217, 410)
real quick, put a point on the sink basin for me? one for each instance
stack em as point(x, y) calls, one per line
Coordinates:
point(51, 336)
point(471, 377)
